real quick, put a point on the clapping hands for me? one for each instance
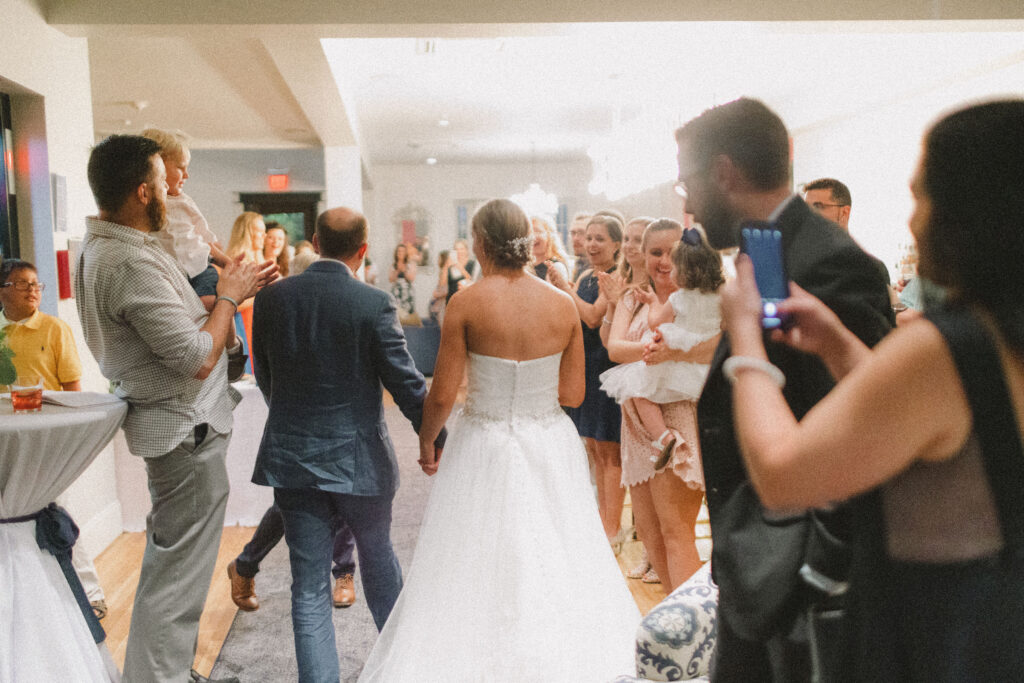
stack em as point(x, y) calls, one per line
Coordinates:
point(611, 286)
point(646, 296)
point(241, 279)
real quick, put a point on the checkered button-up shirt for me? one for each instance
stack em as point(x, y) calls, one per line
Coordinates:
point(141, 320)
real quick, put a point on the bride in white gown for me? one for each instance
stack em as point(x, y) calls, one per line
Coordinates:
point(512, 578)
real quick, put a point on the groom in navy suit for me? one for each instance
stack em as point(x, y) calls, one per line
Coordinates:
point(323, 345)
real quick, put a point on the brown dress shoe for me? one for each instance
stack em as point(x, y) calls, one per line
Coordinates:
point(344, 591)
point(243, 591)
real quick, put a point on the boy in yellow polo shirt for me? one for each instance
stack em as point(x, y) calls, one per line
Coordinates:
point(43, 345)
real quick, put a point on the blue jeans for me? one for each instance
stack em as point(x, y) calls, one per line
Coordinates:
point(309, 523)
point(271, 530)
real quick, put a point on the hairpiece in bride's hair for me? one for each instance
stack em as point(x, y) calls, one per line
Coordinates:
point(520, 242)
point(691, 236)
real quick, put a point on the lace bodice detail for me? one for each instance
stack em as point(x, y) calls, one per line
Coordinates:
point(503, 390)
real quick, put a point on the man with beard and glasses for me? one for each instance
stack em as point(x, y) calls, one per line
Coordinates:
point(165, 355)
point(734, 166)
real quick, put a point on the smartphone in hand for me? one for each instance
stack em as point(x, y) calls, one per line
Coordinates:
point(763, 244)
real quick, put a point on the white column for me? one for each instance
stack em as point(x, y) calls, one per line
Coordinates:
point(343, 177)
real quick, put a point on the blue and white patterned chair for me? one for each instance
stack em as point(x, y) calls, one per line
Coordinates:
point(676, 640)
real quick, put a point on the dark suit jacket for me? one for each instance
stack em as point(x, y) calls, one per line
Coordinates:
point(323, 343)
point(823, 259)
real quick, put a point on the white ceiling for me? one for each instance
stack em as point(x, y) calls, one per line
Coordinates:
point(551, 97)
point(511, 92)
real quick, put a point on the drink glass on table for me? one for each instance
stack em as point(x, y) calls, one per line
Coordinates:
point(27, 394)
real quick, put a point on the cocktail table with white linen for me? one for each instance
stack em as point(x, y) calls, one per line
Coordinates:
point(43, 634)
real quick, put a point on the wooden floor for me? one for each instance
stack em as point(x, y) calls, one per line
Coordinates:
point(118, 568)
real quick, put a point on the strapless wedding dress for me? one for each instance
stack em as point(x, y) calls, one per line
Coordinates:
point(512, 578)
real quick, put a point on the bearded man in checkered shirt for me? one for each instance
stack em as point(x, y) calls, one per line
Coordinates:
point(166, 357)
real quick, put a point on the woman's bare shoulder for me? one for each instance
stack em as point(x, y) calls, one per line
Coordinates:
point(919, 341)
point(561, 299)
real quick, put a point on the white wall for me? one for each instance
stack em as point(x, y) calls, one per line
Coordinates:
point(438, 188)
point(216, 176)
point(36, 59)
point(876, 150)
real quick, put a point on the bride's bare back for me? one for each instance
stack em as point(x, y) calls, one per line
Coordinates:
point(515, 316)
point(508, 314)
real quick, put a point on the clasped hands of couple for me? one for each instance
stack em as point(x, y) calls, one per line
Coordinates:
point(430, 458)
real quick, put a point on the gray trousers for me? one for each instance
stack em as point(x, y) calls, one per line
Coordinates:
point(189, 490)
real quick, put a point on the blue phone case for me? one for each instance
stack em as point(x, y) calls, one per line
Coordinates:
point(763, 244)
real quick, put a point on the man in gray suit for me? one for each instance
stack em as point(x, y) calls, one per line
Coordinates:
point(323, 345)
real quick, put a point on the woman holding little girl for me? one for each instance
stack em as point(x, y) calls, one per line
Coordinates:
point(658, 386)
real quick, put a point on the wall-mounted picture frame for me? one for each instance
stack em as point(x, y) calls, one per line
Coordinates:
point(413, 225)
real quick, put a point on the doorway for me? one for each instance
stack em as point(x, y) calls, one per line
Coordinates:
point(9, 246)
point(295, 211)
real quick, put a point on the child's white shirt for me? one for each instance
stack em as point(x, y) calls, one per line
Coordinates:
point(186, 235)
point(698, 317)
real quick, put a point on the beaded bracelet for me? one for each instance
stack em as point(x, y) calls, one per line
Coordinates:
point(734, 363)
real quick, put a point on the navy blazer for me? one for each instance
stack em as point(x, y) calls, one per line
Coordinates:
point(323, 344)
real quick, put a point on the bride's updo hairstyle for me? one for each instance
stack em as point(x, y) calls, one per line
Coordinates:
point(504, 232)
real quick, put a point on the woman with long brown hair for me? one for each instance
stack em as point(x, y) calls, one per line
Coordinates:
point(598, 418)
point(275, 248)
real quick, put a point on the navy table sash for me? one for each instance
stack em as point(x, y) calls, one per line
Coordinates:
point(56, 533)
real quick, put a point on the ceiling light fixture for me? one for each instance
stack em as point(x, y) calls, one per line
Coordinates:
point(431, 161)
point(443, 122)
point(535, 201)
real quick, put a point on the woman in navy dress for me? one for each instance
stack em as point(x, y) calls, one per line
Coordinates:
point(598, 418)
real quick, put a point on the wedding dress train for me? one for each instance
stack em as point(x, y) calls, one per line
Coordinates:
point(512, 577)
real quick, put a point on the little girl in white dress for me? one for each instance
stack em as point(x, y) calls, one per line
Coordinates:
point(690, 315)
